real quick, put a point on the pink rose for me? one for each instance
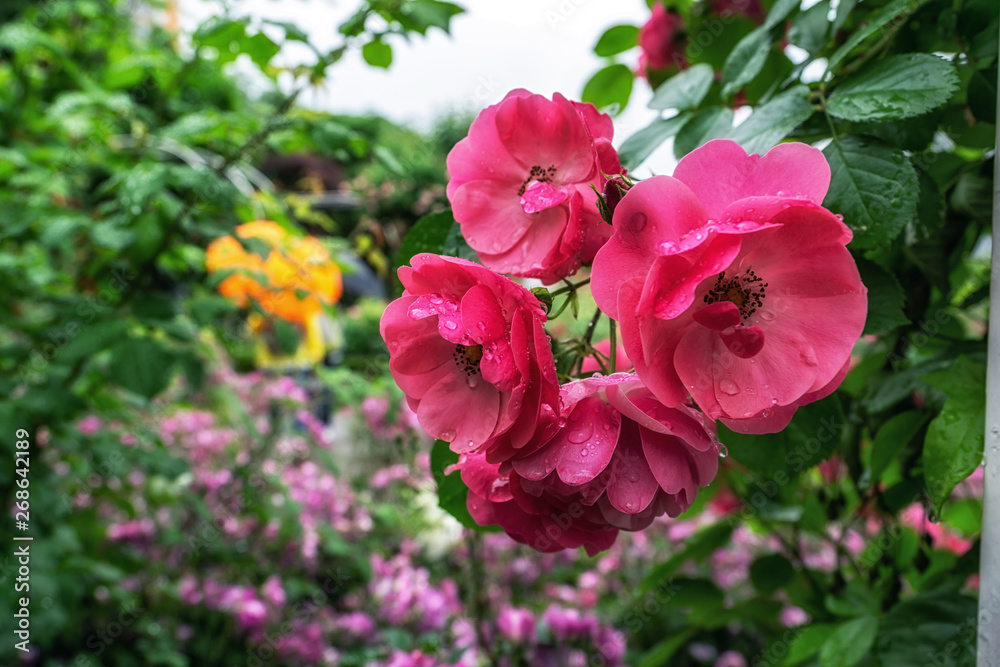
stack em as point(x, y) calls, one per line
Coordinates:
point(732, 284)
point(520, 184)
point(468, 350)
point(658, 39)
point(516, 624)
point(620, 460)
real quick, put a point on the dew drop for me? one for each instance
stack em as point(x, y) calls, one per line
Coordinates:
point(632, 477)
point(774, 401)
point(723, 451)
point(482, 326)
point(436, 300)
point(450, 325)
point(729, 387)
point(766, 412)
point(448, 435)
point(584, 452)
point(472, 381)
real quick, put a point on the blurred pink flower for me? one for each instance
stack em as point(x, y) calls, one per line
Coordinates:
point(516, 624)
point(658, 39)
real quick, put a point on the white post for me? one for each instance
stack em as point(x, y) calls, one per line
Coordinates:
point(989, 568)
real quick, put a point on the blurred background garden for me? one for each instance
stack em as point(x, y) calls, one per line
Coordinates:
point(202, 209)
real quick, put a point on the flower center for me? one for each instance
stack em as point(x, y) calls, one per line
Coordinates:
point(746, 290)
point(467, 358)
point(538, 174)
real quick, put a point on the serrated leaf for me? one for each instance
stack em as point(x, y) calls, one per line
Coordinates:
point(811, 27)
point(436, 233)
point(609, 86)
point(772, 122)
point(617, 39)
point(745, 61)
point(953, 447)
point(142, 366)
point(874, 187)
point(849, 643)
point(705, 125)
point(897, 87)
point(641, 145)
point(885, 299)
point(878, 20)
point(684, 90)
point(377, 53)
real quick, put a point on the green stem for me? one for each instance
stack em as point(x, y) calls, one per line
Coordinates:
point(613, 355)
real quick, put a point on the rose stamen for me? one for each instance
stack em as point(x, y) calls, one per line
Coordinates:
point(746, 290)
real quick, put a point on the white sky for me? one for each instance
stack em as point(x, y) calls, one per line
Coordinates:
point(544, 46)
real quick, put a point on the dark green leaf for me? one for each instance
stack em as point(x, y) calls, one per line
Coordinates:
point(893, 438)
point(849, 643)
point(609, 87)
point(436, 233)
point(885, 299)
point(426, 14)
point(287, 335)
point(953, 447)
point(617, 39)
point(770, 572)
point(878, 21)
point(665, 650)
point(874, 187)
point(705, 125)
point(91, 338)
point(684, 90)
point(894, 88)
point(779, 12)
point(377, 53)
point(452, 493)
point(810, 28)
point(930, 629)
point(154, 306)
point(142, 366)
point(811, 437)
point(807, 643)
point(745, 61)
point(641, 145)
point(772, 122)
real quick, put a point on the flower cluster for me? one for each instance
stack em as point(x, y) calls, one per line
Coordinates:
point(734, 292)
point(299, 276)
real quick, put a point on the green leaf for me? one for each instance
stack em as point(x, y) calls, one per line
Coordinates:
point(894, 88)
point(807, 643)
point(665, 650)
point(424, 14)
point(142, 366)
point(885, 298)
point(770, 572)
point(452, 493)
point(92, 338)
point(684, 90)
point(288, 337)
point(745, 61)
point(849, 643)
point(705, 125)
point(811, 437)
point(877, 21)
point(810, 28)
point(698, 547)
point(377, 53)
point(260, 48)
point(772, 122)
point(617, 39)
point(874, 187)
point(953, 447)
point(436, 233)
point(893, 438)
point(930, 629)
point(641, 145)
point(609, 87)
point(779, 12)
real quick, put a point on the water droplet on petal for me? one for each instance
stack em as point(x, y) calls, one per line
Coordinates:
point(472, 381)
point(450, 325)
point(723, 451)
point(729, 387)
point(448, 435)
point(584, 452)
